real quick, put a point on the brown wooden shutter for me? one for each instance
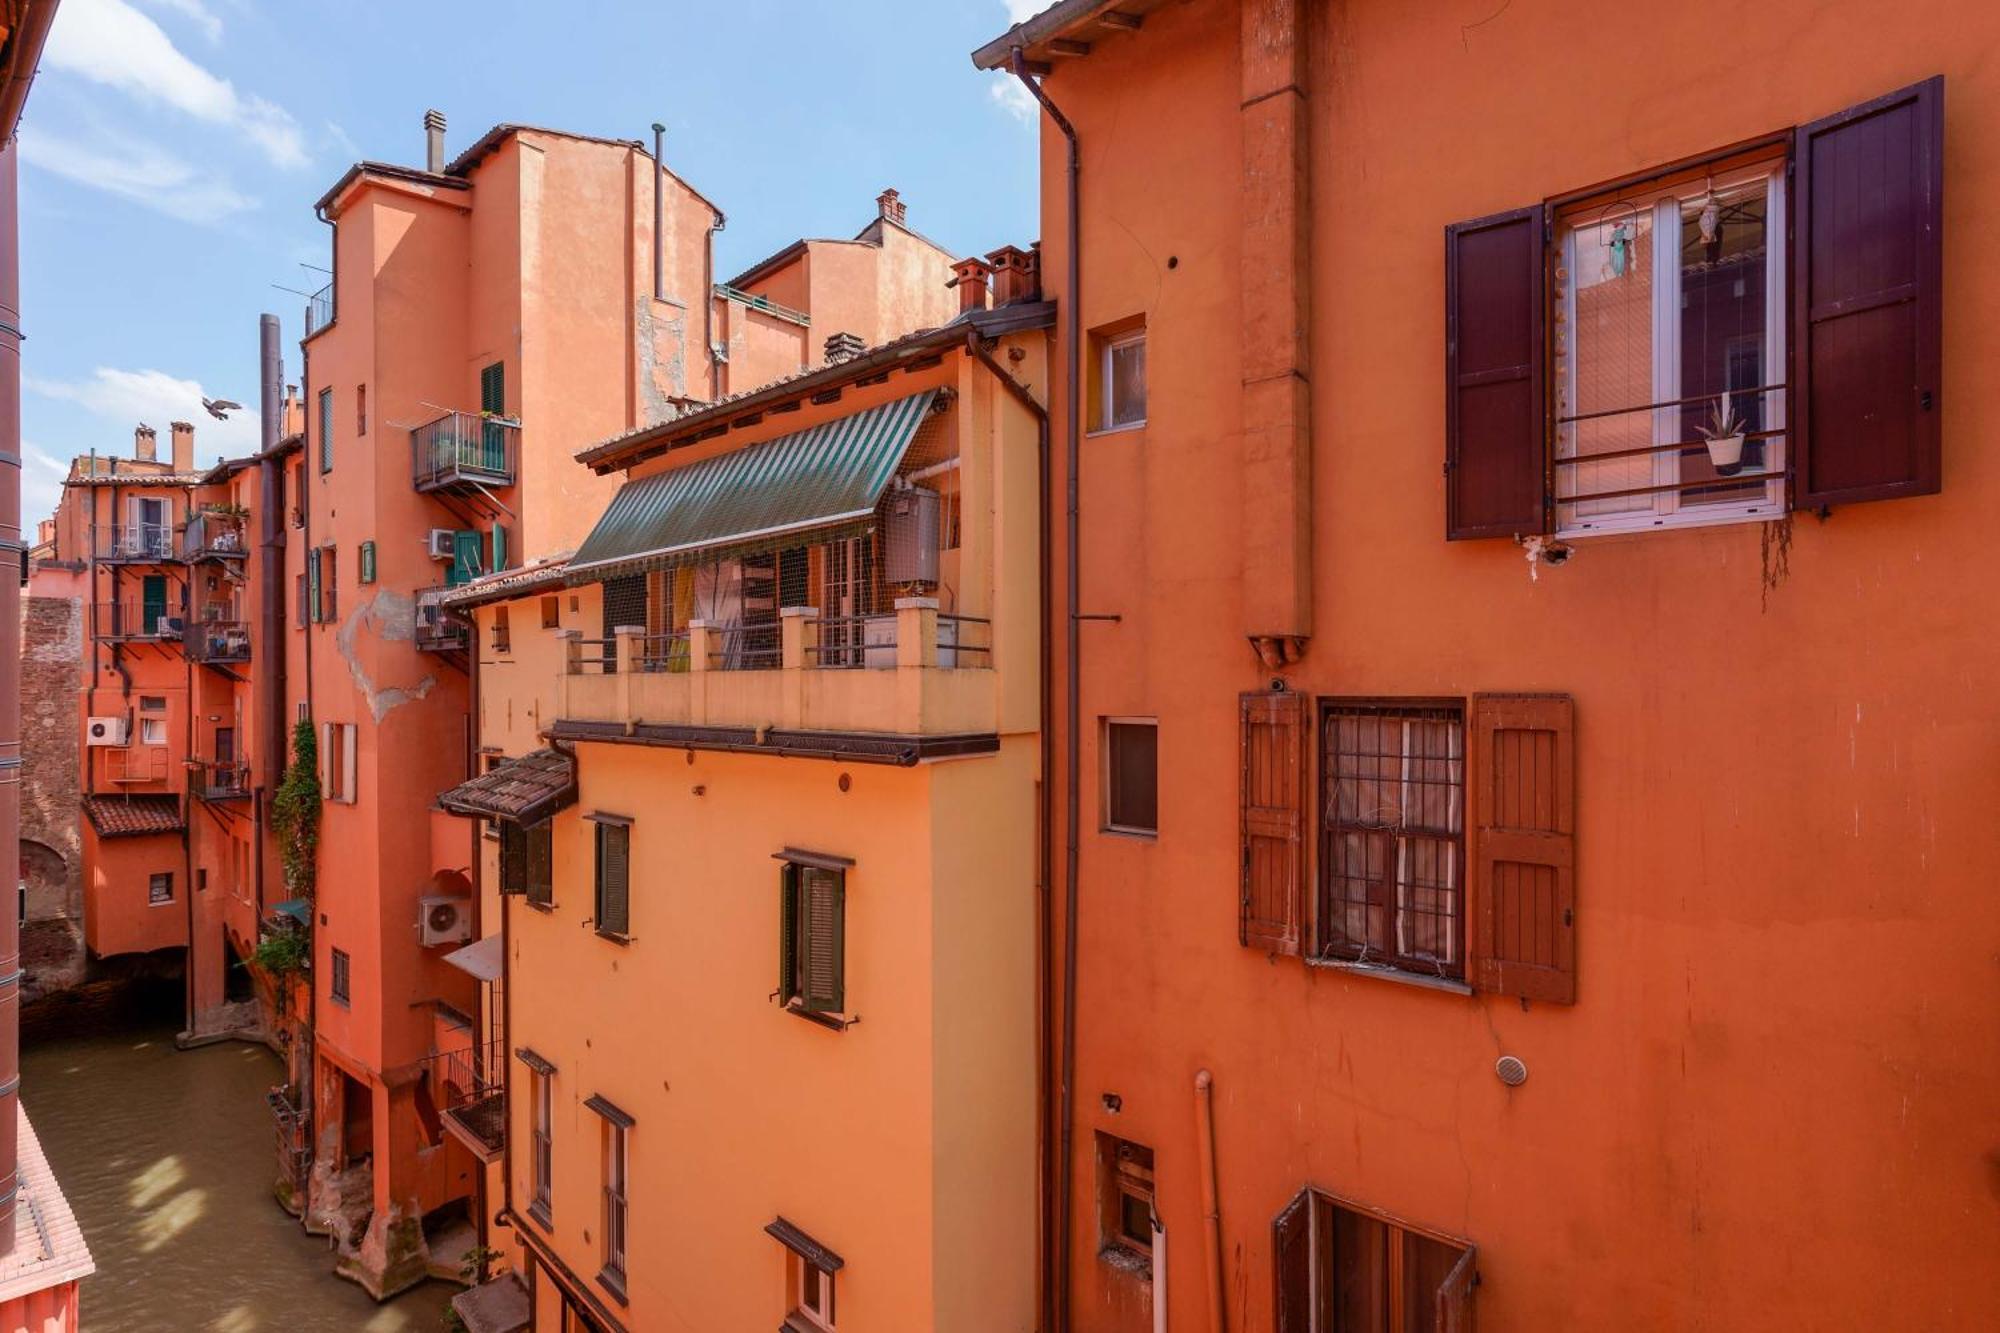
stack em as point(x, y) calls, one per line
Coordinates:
point(613, 879)
point(788, 932)
point(1291, 1264)
point(1272, 745)
point(1867, 278)
point(1454, 1295)
point(540, 880)
point(1523, 896)
point(1494, 417)
point(823, 983)
point(513, 857)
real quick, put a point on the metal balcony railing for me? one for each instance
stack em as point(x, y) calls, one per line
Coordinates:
point(464, 451)
point(221, 779)
point(145, 543)
point(213, 536)
point(319, 310)
point(134, 620)
point(467, 1087)
point(216, 640)
point(438, 630)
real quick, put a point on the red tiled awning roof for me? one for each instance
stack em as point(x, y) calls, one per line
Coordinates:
point(525, 790)
point(133, 816)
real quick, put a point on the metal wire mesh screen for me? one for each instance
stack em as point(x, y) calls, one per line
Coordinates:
point(911, 516)
point(1392, 859)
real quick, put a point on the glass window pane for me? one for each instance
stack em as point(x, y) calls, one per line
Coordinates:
point(1609, 269)
point(1125, 388)
point(1133, 774)
point(1724, 254)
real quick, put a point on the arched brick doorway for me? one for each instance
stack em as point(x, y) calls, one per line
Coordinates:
point(44, 881)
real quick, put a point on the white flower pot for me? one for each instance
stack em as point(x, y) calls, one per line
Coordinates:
point(1725, 450)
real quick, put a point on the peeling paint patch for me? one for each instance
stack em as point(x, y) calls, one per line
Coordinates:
point(391, 617)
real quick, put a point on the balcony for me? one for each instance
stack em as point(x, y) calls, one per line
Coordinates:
point(913, 672)
point(216, 641)
point(462, 452)
point(439, 630)
point(133, 543)
point(213, 535)
point(125, 622)
point(467, 1089)
point(220, 779)
point(319, 310)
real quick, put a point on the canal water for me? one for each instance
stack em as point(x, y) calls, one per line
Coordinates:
point(167, 1156)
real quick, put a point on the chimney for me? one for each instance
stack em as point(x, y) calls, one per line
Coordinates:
point(1016, 275)
point(183, 437)
point(843, 347)
point(145, 444)
point(891, 205)
point(434, 141)
point(970, 279)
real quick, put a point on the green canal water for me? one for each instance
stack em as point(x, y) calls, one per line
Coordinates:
point(167, 1157)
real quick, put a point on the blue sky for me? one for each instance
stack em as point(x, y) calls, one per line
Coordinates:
point(172, 151)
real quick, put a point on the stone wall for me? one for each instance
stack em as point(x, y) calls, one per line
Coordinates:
point(51, 752)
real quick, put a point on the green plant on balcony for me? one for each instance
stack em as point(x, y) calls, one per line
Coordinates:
point(284, 950)
point(295, 812)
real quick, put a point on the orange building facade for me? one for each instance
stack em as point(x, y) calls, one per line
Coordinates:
point(1531, 811)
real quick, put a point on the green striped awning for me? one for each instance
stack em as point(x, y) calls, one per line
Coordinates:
point(820, 478)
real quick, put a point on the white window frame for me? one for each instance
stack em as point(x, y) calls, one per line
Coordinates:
point(1108, 407)
point(152, 730)
point(617, 1198)
point(337, 762)
point(818, 1314)
point(1664, 509)
point(542, 1145)
point(156, 877)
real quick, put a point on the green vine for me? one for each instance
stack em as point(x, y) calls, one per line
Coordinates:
point(295, 813)
point(283, 952)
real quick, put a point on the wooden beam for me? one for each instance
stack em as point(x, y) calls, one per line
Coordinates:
point(1068, 46)
point(1118, 18)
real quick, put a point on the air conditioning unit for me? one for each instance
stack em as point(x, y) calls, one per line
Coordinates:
point(440, 543)
point(910, 537)
point(107, 731)
point(443, 920)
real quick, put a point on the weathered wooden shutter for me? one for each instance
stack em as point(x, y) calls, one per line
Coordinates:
point(1523, 899)
point(1868, 272)
point(1291, 1264)
point(788, 932)
point(499, 544)
point(540, 886)
point(513, 857)
point(1454, 1295)
point(614, 871)
point(312, 583)
point(1494, 417)
point(1272, 751)
point(823, 983)
point(368, 562)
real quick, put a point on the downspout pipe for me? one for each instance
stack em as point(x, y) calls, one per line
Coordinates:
point(270, 575)
point(1072, 325)
point(1211, 1214)
point(659, 212)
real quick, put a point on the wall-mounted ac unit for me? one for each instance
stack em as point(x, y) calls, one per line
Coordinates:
point(107, 731)
point(910, 537)
point(440, 543)
point(442, 920)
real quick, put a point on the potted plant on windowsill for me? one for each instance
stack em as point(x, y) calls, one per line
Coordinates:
point(1724, 437)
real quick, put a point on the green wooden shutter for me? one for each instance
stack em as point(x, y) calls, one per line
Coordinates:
point(823, 979)
point(312, 583)
point(368, 562)
point(499, 547)
point(493, 438)
point(513, 857)
point(466, 549)
point(541, 863)
point(788, 933)
point(153, 603)
point(613, 879)
point(326, 430)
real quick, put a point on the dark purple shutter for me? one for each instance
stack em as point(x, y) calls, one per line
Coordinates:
point(1291, 1266)
point(1494, 416)
point(1868, 259)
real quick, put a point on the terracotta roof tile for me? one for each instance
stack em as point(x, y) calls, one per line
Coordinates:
point(526, 790)
point(133, 816)
point(48, 1245)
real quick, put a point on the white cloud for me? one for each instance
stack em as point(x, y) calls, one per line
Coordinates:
point(1015, 100)
point(41, 485)
point(1019, 10)
point(124, 398)
point(109, 42)
point(195, 12)
point(140, 172)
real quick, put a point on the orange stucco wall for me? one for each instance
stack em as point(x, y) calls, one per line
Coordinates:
point(117, 873)
point(1771, 1102)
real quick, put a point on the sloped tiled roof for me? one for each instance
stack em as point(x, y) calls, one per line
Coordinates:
point(49, 1248)
point(525, 790)
point(508, 583)
point(133, 816)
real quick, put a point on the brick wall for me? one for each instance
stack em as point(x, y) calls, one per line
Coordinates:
point(51, 747)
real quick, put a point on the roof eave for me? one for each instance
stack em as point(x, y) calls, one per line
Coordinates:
point(1059, 21)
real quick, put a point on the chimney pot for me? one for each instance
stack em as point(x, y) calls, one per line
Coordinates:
point(844, 346)
point(971, 278)
point(183, 441)
point(1016, 275)
point(434, 141)
point(891, 205)
point(145, 444)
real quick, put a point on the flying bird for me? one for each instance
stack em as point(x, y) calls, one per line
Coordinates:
point(220, 408)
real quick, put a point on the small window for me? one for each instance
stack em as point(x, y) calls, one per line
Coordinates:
point(502, 640)
point(303, 588)
point(328, 566)
point(1131, 776)
point(368, 562)
point(160, 889)
point(542, 1162)
point(360, 409)
point(526, 861)
point(812, 1294)
point(152, 731)
point(337, 986)
point(326, 430)
point(614, 878)
point(337, 762)
point(1122, 381)
point(1125, 1203)
point(201, 878)
point(551, 612)
point(1342, 1266)
point(152, 703)
point(616, 1211)
point(1392, 851)
point(812, 946)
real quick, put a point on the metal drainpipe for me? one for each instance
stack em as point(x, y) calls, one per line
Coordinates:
point(271, 573)
point(309, 1082)
point(708, 308)
point(1072, 717)
point(659, 212)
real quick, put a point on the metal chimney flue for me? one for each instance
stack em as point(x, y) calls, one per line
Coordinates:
point(434, 141)
point(659, 212)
